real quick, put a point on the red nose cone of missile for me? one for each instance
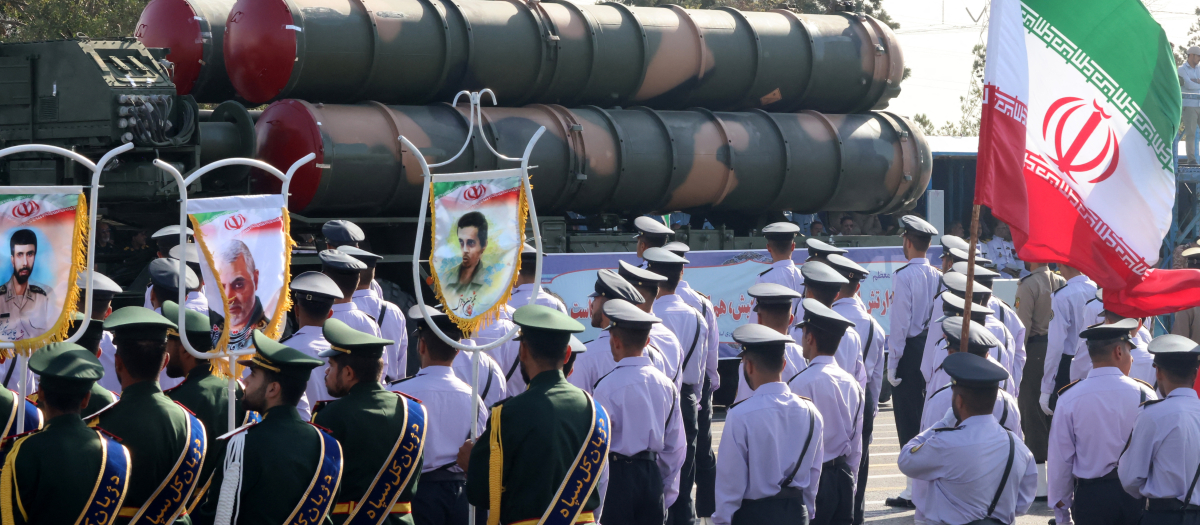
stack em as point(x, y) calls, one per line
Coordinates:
point(172, 24)
point(288, 130)
point(260, 48)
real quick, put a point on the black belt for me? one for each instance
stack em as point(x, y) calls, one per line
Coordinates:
point(1112, 475)
point(443, 474)
point(1041, 338)
point(1169, 505)
point(839, 461)
point(787, 493)
point(645, 455)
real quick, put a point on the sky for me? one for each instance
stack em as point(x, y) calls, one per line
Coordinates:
point(937, 36)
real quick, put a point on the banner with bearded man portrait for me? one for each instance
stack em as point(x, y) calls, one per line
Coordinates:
point(44, 231)
point(245, 246)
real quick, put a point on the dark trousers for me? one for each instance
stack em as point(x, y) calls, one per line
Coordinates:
point(1034, 422)
point(785, 508)
point(835, 494)
point(683, 511)
point(908, 398)
point(440, 503)
point(860, 502)
point(1169, 517)
point(706, 461)
point(1061, 378)
point(635, 493)
point(1104, 502)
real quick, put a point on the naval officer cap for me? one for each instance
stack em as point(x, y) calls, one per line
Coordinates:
point(972, 371)
point(439, 317)
point(1110, 332)
point(576, 346)
point(197, 326)
point(650, 226)
point(609, 285)
point(980, 341)
point(961, 255)
point(340, 262)
point(955, 304)
point(819, 248)
point(772, 294)
point(817, 273)
point(639, 277)
point(344, 340)
point(781, 231)
point(279, 358)
point(317, 287)
point(66, 367)
point(138, 323)
point(339, 232)
point(1175, 352)
point(362, 255)
point(542, 326)
point(980, 272)
point(677, 248)
point(528, 253)
point(955, 242)
point(624, 314)
point(169, 231)
point(957, 283)
point(91, 336)
point(663, 256)
point(917, 226)
point(164, 273)
point(101, 284)
point(760, 339)
point(817, 315)
point(848, 268)
point(1191, 253)
point(190, 250)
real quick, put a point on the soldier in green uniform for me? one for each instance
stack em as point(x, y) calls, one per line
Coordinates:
point(90, 340)
point(541, 430)
point(158, 432)
point(53, 473)
point(374, 427)
point(202, 392)
point(281, 468)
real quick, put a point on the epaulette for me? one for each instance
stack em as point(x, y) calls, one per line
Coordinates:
point(947, 429)
point(36, 289)
point(1060, 288)
point(1090, 301)
point(499, 403)
point(402, 394)
point(1067, 387)
point(235, 431)
point(185, 409)
point(737, 403)
point(1147, 385)
point(320, 405)
point(1149, 402)
point(1022, 279)
point(765, 272)
point(172, 389)
point(92, 419)
point(23, 434)
point(109, 434)
point(321, 428)
point(3, 288)
point(900, 268)
point(588, 342)
point(398, 381)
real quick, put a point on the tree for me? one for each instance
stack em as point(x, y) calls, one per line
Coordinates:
point(1193, 40)
point(27, 20)
point(922, 121)
point(971, 104)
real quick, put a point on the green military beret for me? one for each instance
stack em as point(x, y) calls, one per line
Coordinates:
point(280, 358)
point(344, 340)
point(66, 367)
point(136, 322)
point(543, 325)
point(197, 325)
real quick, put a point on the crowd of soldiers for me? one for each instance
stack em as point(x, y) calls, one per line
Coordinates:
point(331, 430)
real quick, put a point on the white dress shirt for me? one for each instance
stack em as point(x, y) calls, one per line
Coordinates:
point(705, 307)
point(793, 363)
point(491, 378)
point(964, 466)
point(592, 365)
point(1007, 316)
point(840, 401)
point(447, 402)
point(914, 287)
point(1068, 318)
point(669, 350)
point(869, 331)
point(752, 461)
point(392, 326)
point(1081, 364)
point(505, 355)
point(643, 407)
point(1092, 423)
point(195, 301)
point(692, 332)
point(850, 350)
point(311, 341)
point(1164, 451)
point(108, 358)
point(520, 297)
point(1005, 353)
point(784, 273)
point(1143, 365)
point(357, 319)
point(939, 378)
point(1190, 85)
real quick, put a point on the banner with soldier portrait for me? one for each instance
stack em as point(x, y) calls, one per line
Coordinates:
point(45, 231)
point(478, 230)
point(245, 247)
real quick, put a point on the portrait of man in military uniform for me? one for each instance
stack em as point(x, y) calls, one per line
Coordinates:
point(28, 308)
point(469, 275)
point(239, 280)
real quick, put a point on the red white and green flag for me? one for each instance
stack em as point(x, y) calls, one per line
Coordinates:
point(1081, 106)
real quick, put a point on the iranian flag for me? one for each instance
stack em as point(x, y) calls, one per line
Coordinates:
point(1081, 106)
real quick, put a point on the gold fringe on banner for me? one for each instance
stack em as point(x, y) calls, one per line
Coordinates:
point(274, 329)
point(79, 246)
point(470, 326)
point(220, 366)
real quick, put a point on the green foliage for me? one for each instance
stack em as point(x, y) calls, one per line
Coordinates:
point(26, 20)
point(922, 121)
point(1193, 40)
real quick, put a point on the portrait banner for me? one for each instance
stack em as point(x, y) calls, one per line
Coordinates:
point(246, 250)
point(45, 229)
point(478, 231)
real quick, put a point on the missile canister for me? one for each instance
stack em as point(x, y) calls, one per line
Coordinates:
point(591, 160)
point(193, 30)
point(609, 54)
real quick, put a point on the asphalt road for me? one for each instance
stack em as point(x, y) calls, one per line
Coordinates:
point(885, 480)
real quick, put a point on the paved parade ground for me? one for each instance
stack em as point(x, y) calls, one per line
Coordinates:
point(885, 479)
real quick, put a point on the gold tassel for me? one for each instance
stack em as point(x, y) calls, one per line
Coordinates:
point(275, 327)
point(62, 326)
point(495, 469)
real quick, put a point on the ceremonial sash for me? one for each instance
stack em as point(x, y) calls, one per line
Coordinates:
point(380, 498)
point(168, 500)
point(109, 492)
point(33, 416)
point(319, 497)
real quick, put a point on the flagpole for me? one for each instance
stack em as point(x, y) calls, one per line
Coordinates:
point(967, 301)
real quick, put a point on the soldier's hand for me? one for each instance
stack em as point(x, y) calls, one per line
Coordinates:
point(1044, 400)
point(464, 454)
point(891, 377)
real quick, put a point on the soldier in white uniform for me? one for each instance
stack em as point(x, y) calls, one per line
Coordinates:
point(441, 496)
point(103, 291)
point(1092, 423)
point(387, 315)
point(662, 339)
point(982, 315)
point(29, 308)
point(949, 259)
point(978, 471)
point(781, 243)
point(1006, 411)
point(773, 304)
point(914, 287)
point(955, 284)
point(313, 295)
point(839, 398)
point(196, 301)
point(345, 233)
point(1069, 318)
point(504, 355)
point(984, 344)
point(652, 233)
point(1142, 368)
point(1004, 313)
point(164, 286)
point(1162, 461)
point(647, 446)
point(598, 360)
point(524, 286)
point(345, 271)
point(823, 284)
point(166, 239)
point(763, 479)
